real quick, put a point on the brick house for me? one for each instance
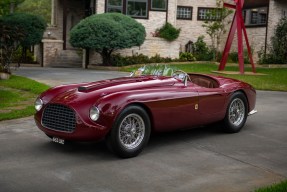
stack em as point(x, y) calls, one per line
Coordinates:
point(261, 18)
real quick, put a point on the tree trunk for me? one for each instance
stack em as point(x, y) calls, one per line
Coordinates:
point(106, 56)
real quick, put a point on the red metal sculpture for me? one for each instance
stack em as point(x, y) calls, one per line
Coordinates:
point(237, 24)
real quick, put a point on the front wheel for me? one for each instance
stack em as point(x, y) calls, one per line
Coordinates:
point(130, 132)
point(236, 113)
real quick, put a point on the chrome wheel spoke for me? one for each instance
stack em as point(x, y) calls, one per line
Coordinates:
point(131, 131)
point(236, 112)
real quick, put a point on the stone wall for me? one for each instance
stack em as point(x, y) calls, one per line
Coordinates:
point(52, 49)
point(192, 29)
point(151, 47)
point(256, 37)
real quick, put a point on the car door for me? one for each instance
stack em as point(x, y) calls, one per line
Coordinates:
point(211, 104)
point(178, 110)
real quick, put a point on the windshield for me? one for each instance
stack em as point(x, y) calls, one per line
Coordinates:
point(159, 70)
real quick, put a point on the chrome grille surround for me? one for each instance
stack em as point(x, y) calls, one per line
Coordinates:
point(59, 118)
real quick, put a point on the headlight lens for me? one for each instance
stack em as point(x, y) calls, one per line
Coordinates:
point(38, 104)
point(94, 113)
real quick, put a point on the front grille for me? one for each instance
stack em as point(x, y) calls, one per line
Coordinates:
point(58, 117)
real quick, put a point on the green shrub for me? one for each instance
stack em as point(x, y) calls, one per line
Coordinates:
point(20, 52)
point(234, 57)
point(269, 59)
point(107, 32)
point(118, 60)
point(168, 32)
point(158, 59)
point(32, 26)
point(278, 49)
point(201, 50)
point(18, 29)
point(186, 56)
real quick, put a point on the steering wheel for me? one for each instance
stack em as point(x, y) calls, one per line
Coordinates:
point(179, 74)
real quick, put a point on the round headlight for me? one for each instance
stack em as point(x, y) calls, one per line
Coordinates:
point(38, 104)
point(94, 113)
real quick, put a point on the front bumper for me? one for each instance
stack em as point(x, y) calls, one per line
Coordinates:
point(83, 131)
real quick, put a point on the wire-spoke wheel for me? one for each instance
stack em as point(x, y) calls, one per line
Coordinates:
point(236, 113)
point(130, 132)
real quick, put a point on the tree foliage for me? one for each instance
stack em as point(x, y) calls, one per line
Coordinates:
point(39, 7)
point(277, 51)
point(215, 27)
point(201, 51)
point(106, 33)
point(5, 6)
point(10, 38)
point(279, 41)
point(32, 26)
point(18, 29)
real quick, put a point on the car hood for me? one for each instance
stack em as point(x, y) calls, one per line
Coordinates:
point(91, 92)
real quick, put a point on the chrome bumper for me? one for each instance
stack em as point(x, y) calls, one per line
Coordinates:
point(252, 112)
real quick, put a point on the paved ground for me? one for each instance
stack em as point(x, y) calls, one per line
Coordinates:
point(196, 160)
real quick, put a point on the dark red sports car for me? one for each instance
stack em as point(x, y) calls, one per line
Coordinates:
point(124, 111)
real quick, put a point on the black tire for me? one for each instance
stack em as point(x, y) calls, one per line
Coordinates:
point(236, 113)
point(128, 139)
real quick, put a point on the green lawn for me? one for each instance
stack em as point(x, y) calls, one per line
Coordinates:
point(17, 96)
point(274, 80)
point(280, 187)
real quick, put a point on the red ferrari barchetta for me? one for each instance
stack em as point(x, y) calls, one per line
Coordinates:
point(125, 111)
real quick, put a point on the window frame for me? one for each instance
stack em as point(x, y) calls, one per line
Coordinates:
point(248, 22)
point(138, 17)
point(125, 7)
point(158, 9)
point(106, 6)
point(188, 7)
point(253, 18)
point(206, 8)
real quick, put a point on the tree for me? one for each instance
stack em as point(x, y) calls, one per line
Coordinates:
point(33, 27)
point(279, 41)
point(277, 51)
point(10, 38)
point(19, 29)
point(8, 6)
point(107, 32)
point(39, 7)
point(215, 27)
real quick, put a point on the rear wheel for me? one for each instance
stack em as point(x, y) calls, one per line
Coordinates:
point(236, 113)
point(130, 132)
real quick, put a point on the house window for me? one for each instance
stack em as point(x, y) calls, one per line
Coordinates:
point(263, 18)
point(133, 8)
point(208, 14)
point(137, 8)
point(184, 12)
point(256, 17)
point(115, 6)
point(159, 5)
